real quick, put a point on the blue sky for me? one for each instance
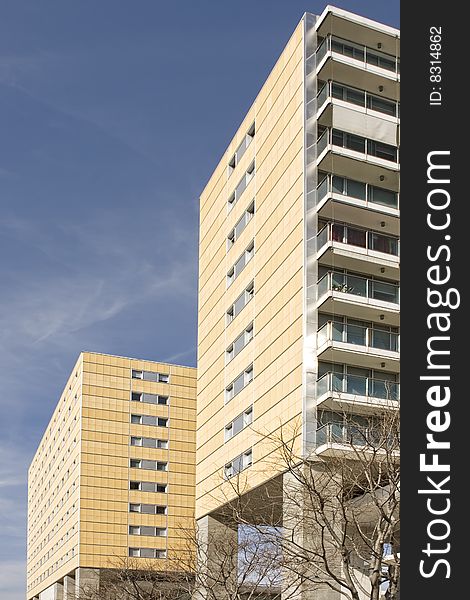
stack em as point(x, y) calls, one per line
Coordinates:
point(112, 117)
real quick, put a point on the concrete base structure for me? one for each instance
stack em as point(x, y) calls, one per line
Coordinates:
point(217, 558)
point(69, 588)
point(54, 592)
point(86, 581)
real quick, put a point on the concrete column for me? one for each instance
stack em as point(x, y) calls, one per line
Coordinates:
point(53, 592)
point(69, 588)
point(217, 559)
point(87, 581)
point(299, 523)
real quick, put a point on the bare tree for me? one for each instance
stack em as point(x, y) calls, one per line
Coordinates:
point(340, 529)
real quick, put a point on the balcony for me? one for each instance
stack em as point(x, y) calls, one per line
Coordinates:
point(352, 97)
point(343, 438)
point(355, 64)
point(368, 347)
point(357, 297)
point(347, 391)
point(352, 248)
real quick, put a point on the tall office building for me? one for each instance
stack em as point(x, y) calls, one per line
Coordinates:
point(299, 261)
point(113, 476)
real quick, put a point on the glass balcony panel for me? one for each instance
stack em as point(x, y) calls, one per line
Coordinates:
point(387, 292)
point(385, 390)
point(322, 50)
point(322, 95)
point(337, 281)
point(337, 432)
point(322, 142)
point(323, 384)
point(323, 286)
point(322, 190)
point(322, 435)
point(356, 285)
point(337, 382)
point(356, 384)
point(337, 331)
point(322, 237)
point(323, 335)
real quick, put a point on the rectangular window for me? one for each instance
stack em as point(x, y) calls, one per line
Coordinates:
point(162, 466)
point(240, 342)
point(241, 224)
point(239, 383)
point(241, 186)
point(146, 553)
point(149, 442)
point(151, 465)
point(150, 376)
point(383, 197)
point(148, 486)
point(240, 151)
point(240, 422)
point(162, 422)
point(238, 464)
point(148, 509)
point(149, 398)
point(240, 302)
point(241, 263)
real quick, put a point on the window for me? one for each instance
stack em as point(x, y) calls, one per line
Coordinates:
point(238, 464)
point(239, 383)
point(241, 263)
point(149, 442)
point(150, 376)
point(149, 398)
point(241, 224)
point(147, 530)
point(151, 465)
point(240, 151)
point(148, 486)
point(162, 422)
point(241, 186)
point(240, 342)
point(383, 197)
point(148, 509)
point(146, 553)
point(239, 423)
point(240, 302)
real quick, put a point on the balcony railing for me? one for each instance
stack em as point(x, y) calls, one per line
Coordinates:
point(350, 141)
point(358, 52)
point(358, 286)
point(369, 102)
point(361, 238)
point(357, 335)
point(354, 435)
point(371, 194)
point(358, 386)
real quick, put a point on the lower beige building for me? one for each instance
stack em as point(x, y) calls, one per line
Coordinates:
point(114, 474)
